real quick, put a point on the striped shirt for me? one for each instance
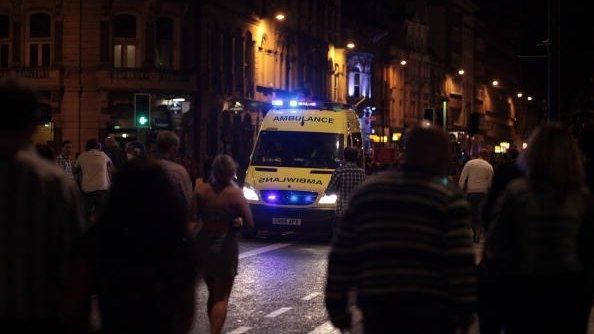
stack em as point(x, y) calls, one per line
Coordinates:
point(39, 218)
point(66, 164)
point(344, 181)
point(404, 235)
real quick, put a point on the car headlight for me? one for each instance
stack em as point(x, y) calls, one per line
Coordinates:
point(249, 193)
point(328, 199)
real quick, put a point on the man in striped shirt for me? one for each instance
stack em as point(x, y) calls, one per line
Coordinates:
point(404, 246)
point(345, 180)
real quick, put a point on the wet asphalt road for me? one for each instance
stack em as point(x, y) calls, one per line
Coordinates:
point(279, 289)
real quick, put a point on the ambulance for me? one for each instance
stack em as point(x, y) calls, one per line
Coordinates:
point(298, 147)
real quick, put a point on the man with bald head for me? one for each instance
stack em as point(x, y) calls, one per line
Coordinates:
point(405, 247)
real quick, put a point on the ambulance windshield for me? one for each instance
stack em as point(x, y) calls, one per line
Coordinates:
point(298, 149)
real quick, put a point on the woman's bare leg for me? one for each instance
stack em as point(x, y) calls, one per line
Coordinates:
point(218, 301)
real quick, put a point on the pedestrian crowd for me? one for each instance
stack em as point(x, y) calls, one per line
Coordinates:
point(129, 233)
point(110, 229)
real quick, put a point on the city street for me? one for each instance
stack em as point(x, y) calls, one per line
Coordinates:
point(279, 289)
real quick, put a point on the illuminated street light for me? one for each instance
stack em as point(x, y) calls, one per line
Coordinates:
point(280, 17)
point(350, 45)
point(403, 62)
point(461, 72)
point(529, 98)
point(520, 95)
point(495, 83)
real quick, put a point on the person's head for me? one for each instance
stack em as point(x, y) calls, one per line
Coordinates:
point(135, 149)
point(167, 144)
point(484, 154)
point(67, 148)
point(110, 142)
point(143, 249)
point(552, 160)
point(427, 150)
point(92, 144)
point(45, 151)
point(512, 154)
point(223, 169)
point(20, 117)
point(351, 154)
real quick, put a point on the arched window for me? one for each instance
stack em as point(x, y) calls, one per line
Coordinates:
point(40, 39)
point(164, 38)
point(4, 40)
point(124, 40)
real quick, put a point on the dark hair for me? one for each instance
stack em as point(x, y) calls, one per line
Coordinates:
point(145, 267)
point(21, 108)
point(512, 154)
point(166, 140)
point(45, 151)
point(92, 144)
point(351, 154)
point(552, 162)
point(65, 142)
point(427, 150)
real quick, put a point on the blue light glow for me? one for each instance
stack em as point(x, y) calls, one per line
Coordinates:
point(293, 103)
point(294, 198)
point(271, 198)
point(277, 103)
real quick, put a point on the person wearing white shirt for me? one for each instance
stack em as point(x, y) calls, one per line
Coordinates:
point(95, 167)
point(475, 179)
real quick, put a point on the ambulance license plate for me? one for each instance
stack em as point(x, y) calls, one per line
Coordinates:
point(286, 221)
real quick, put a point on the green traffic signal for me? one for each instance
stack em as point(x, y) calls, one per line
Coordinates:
point(142, 120)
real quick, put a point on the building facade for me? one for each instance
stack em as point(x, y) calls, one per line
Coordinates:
point(88, 59)
point(210, 69)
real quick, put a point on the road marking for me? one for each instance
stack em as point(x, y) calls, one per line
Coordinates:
point(278, 312)
point(311, 296)
point(262, 250)
point(325, 328)
point(240, 330)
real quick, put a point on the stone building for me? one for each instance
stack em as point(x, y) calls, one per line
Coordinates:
point(87, 59)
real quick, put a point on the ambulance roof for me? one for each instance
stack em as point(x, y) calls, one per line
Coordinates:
point(307, 120)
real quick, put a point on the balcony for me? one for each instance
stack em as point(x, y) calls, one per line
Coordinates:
point(145, 79)
point(36, 77)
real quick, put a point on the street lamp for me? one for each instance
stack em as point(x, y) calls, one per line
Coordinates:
point(495, 83)
point(529, 98)
point(350, 45)
point(519, 95)
point(280, 17)
point(403, 62)
point(461, 72)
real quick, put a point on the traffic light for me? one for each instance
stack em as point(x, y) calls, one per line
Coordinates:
point(142, 107)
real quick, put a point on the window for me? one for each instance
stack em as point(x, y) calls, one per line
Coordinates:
point(124, 41)
point(164, 39)
point(40, 33)
point(4, 40)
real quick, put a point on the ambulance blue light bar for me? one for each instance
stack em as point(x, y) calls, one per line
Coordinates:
point(293, 103)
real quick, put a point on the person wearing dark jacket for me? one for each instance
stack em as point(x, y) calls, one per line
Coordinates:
point(489, 307)
point(540, 247)
point(405, 246)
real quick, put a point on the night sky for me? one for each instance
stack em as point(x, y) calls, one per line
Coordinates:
point(527, 21)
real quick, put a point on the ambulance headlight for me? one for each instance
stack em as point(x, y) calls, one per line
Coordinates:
point(328, 199)
point(249, 193)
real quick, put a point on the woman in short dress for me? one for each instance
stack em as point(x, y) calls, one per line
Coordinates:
point(222, 210)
